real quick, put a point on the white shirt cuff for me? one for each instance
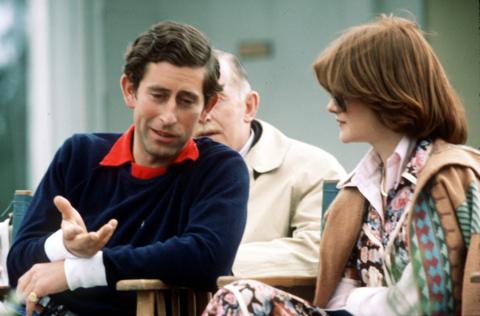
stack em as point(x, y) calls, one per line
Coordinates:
point(55, 248)
point(85, 272)
point(340, 296)
point(398, 299)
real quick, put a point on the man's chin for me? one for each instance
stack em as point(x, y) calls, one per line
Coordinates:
point(165, 153)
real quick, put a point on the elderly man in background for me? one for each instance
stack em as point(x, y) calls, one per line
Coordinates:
point(286, 178)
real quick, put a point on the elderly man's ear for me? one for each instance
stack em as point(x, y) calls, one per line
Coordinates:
point(208, 107)
point(211, 103)
point(252, 103)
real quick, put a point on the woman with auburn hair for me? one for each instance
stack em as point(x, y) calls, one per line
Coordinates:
point(403, 235)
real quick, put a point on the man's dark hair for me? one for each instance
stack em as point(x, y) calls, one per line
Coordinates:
point(181, 45)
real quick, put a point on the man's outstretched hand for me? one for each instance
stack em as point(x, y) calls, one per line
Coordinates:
point(76, 238)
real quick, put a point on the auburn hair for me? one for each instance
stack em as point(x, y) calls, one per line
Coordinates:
point(388, 65)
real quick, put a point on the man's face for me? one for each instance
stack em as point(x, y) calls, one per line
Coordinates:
point(166, 107)
point(227, 122)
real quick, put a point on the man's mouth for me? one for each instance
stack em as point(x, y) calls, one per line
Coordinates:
point(164, 134)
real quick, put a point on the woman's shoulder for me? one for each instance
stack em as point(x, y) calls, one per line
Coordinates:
point(453, 156)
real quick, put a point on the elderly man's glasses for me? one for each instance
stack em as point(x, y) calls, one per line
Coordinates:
point(340, 103)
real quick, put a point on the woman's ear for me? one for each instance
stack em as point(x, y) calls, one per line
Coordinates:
point(128, 91)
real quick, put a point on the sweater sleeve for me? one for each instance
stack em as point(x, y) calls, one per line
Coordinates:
point(207, 246)
point(41, 220)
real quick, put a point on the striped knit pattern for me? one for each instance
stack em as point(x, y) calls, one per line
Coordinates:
point(431, 258)
point(418, 272)
point(468, 213)
point(441, 244)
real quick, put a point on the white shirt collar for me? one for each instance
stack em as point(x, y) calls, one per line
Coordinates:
point(248, 144)
point(367, 176)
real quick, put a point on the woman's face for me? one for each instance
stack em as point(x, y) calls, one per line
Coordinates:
point(358, 123)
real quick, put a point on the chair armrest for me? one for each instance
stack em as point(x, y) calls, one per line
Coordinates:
point(276, 281)
point(142, 285)
point(475, 277)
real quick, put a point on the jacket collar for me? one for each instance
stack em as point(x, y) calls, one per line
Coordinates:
point(269, 152)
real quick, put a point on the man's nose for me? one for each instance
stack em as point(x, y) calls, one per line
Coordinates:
point(168, 115)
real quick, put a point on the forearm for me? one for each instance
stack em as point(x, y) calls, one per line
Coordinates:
point(22, 256)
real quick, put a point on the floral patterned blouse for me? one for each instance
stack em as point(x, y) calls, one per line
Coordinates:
point(381, 240)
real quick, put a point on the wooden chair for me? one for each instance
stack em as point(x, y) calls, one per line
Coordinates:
point(155, 296)
point(16, 211)
point(475, 277)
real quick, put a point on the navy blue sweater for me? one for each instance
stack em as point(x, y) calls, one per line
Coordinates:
point(183, 227)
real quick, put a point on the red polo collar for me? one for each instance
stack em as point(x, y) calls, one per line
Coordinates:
point(121, 153)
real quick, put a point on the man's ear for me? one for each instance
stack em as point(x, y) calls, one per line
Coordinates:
point(128, 91)
point(208, 107)
point(252, 103)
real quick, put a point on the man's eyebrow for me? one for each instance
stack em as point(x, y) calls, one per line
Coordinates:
point(157, 89)
point(188, 94)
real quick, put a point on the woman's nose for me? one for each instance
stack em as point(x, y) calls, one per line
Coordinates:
point(331, 106)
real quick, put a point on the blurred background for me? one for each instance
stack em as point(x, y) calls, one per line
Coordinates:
point(61, 60)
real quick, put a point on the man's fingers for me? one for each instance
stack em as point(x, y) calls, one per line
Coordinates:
point(31, 307)
point(70, 231)
point(106, 231)
point(64, 206)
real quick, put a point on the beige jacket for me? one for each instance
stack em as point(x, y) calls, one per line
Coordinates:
point(451, 174)
point(283, 223)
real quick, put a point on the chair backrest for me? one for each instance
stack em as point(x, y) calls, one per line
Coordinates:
point(329, 193)
point(16, 211)
point(21, 202)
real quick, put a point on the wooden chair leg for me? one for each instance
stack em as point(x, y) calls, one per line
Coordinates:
point(175, 304)
point(201, 300)
point(145, 303)
point(161, 307)
point(191, 302)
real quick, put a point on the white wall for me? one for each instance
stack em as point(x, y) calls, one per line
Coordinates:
point(66, 83)
point(455, 36)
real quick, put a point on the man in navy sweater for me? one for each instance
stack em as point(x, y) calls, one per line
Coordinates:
point(149, 203)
